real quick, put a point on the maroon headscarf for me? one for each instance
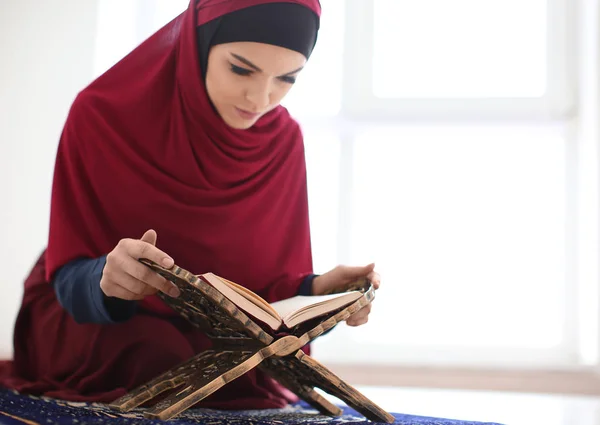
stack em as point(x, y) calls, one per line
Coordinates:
point(143, 148)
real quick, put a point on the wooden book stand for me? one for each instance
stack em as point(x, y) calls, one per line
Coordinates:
point(239, 345)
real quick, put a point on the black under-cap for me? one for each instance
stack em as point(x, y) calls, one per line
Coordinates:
point(287, 25)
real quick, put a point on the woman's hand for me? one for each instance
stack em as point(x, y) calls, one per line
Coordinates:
point(342, 276)
point(126, 278)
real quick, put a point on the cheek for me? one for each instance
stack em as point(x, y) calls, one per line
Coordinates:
point(222, 87)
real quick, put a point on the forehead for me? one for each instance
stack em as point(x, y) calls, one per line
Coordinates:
point(269, 58)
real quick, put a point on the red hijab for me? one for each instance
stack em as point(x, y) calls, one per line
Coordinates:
point(143, 148)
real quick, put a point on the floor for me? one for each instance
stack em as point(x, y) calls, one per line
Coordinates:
point(500, 407)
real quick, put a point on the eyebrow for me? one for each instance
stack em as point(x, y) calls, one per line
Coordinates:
point(256, 68)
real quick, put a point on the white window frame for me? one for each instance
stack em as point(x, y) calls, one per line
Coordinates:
point(360, 103)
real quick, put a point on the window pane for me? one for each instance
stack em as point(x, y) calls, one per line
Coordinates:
point(459, 48)
point(318, 90)
point(467, 228)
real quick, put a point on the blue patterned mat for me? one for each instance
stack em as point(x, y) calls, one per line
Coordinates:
point(16, 409)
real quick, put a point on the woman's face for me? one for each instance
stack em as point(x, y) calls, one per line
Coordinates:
point(245, 80)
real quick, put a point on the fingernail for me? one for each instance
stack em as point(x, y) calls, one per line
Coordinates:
point(174, 292)
point(167, 262)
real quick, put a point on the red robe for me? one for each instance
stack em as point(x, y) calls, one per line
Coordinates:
point(142, 148)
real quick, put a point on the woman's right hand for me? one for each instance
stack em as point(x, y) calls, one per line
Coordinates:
point(126, 278)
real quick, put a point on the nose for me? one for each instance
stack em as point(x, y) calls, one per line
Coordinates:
point(259, 95)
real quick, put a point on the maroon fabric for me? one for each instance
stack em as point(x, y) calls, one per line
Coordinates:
point(142, 148)
point(57, 357)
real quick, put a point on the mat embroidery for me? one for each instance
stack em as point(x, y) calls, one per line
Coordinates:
point(17, 409)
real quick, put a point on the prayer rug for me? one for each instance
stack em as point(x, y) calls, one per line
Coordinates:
point(18, 409)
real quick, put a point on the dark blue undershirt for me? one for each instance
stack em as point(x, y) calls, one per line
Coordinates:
point(77, 287)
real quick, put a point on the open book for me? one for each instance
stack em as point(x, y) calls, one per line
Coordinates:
point(285, 313)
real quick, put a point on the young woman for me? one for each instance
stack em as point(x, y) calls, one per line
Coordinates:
point(183, 140)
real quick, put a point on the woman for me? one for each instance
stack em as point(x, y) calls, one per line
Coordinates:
point(183, 139)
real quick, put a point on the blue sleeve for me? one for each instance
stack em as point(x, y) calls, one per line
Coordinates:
point(77, 287)
point(306, 286)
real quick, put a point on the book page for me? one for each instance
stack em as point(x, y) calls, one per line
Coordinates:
point(253, 297)
point(244, 300)
point(303, 307)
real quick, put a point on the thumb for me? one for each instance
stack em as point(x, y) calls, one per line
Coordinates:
point(359, 271)
point(149, 237)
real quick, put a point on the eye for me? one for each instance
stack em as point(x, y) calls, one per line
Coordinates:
point(288, 79)
point(240, 71)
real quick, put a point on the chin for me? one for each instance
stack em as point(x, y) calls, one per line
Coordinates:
point(240, 124)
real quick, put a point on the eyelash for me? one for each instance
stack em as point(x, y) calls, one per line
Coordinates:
point(240, 71)
point(246, 72)
point(288, 79)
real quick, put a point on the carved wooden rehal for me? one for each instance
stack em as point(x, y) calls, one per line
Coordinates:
point(239, 345)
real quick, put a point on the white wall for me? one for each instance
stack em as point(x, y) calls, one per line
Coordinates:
point(46, 57)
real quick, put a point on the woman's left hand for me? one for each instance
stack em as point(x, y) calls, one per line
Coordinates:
point(341, 276)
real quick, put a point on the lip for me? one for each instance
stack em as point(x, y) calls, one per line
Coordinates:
point(245, 114)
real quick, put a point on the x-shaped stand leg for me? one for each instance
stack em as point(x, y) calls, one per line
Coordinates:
point(201, 376)
point(207, 372)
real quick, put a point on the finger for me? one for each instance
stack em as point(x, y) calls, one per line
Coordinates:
point(149, 237)
point(117, 291)
point(130, 283)
point(375, 279)
point(352, 272)
point(150, 277)
point(149, 290)
point(352, 321)
point(142, 249)
point(135, 286)
point(362, 313)
point(358, 322)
